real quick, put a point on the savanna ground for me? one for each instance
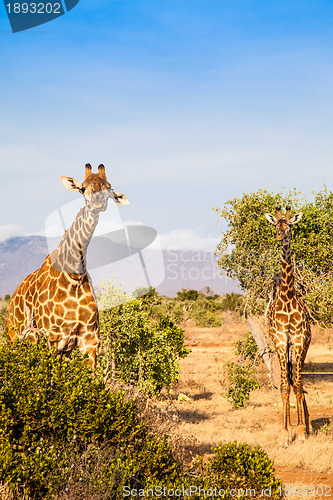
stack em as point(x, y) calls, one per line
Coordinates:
point(208, 417)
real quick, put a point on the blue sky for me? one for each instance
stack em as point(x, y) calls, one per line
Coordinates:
point(187, 103)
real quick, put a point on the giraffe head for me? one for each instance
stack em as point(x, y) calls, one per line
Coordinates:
point(95, 188)
point(283, 223)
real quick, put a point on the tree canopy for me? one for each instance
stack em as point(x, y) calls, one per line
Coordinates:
point(250, 253)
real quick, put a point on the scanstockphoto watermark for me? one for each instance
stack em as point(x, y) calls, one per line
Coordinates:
point(196, 492)
point(127, 254)
point(193, 265)
point(27, 14)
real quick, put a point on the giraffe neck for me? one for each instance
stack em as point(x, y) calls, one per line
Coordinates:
point(70, 255)
point(287, 278)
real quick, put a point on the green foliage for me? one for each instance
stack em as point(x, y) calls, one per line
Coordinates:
point(3, 318)
point(205, 310)
point(250, 253)
point(241, 467)
point(172, 307)
point(241, 383)
point(232, 302)
point(137, 349)
point(188, 294)
point(247, 348)
point(63, 434)
point(143, 291)
point(109, 296)
point(327, 428)
point(57, 419)
point(7, 297)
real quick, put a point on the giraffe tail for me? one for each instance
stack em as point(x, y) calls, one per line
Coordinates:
point(290, 369)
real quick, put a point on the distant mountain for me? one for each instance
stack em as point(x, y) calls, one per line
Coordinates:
point(192, 269)
point(19, 257)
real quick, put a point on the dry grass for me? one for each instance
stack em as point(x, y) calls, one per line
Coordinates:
point(209, 418)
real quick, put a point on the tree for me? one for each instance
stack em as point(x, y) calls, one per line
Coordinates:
point(250, 253)
point(137, 348)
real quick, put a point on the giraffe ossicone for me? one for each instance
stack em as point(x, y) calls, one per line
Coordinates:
point(57, 300)
point(289, 329)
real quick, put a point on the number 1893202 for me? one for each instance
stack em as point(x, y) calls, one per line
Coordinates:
point(307, 491)
point(33, 8)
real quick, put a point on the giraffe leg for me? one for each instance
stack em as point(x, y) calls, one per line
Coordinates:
point(89, 344)
point(63, 343)
point(287, 434)
point(307, 419)
point(301, 404)
point(303, 418)
point(30, 331)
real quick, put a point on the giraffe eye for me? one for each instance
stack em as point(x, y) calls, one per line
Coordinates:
point(82, 190)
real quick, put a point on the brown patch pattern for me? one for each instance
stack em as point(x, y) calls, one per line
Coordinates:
point(58, 298)
point(289, 326)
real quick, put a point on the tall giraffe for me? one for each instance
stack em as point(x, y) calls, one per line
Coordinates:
point(289, 326)
point(58, 299)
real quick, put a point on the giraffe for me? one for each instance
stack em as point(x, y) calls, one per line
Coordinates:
point(57, 299)
point(289, 326)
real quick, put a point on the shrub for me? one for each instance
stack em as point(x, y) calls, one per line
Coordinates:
point(3, 319)
point(204, 307)
point(175, 309)
point(64, 436)
point(241, 467)
point(188, 294)
point(232, 302)
point(247, 348)
point(57, 419)
point(108, 296)
point(205, 312)
point(241, 383)
point(139, 350)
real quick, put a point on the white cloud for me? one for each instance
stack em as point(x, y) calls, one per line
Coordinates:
point(10, 230)
point(187, 239)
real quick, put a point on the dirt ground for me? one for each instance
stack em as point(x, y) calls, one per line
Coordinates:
point(208, 418)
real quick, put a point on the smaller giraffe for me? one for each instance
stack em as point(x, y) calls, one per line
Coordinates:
point(289, 326)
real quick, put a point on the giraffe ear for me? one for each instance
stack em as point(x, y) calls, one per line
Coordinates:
point(71, 184)
point(271, 219)
point(119, 198)
point(296, 218)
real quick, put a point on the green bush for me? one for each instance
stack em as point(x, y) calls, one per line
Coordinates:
point(241, 383)
point(3, 319)
point(205, 312)
point(240, 467)
point(64, 435)
point(175, 309)
point(232, 302)
point(185, 294)
point(56, 415)
point(138, 349)
point(247, 348)
point(108, 296)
